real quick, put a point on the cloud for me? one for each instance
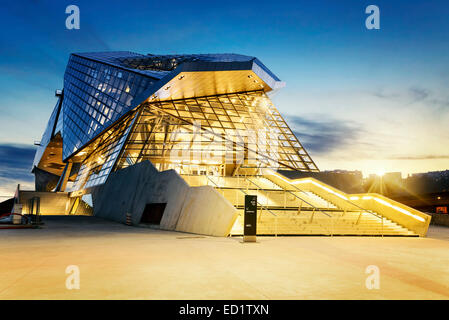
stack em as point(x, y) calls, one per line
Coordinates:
point(324, 135)
point(15, 166)
point(385, 95)
point(419, 94)
point(16, 157)
point(429, 98)
point(8, 187)
point(441, 103)
point(414, 94)
point(421, 157)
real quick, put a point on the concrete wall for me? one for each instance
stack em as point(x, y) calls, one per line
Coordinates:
point(51, 203)
point(197, 210)
point(205, 211)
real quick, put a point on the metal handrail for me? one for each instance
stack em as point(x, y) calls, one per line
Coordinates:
point(293, 191)
point(347, 200)
point(261, 205)
point(363, 209)
point(331, 231)
point(316, 208)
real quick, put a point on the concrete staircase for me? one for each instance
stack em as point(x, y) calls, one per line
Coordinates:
point(293, 211)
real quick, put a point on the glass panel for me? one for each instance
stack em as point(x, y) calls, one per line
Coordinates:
point(183, 142)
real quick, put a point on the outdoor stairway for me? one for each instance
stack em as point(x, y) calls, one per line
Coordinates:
point(294, 211)
point(308, 223)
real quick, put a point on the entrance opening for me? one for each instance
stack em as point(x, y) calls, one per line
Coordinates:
point(153, 212)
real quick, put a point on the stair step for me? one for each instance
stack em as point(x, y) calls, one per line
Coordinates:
point(278, 209)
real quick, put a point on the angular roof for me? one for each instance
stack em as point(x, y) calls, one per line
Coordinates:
point(102, 87)
point(158, 66)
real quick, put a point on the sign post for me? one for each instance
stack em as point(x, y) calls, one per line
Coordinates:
point(250, 220)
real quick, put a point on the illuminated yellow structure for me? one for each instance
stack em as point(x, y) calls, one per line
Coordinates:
point(206, 121)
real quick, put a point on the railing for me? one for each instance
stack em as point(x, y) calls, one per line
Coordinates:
point(310, 204)
point(362, 210)
point(335, 220)
point(400, 214)
point(328, 230)
point(261, 205)
point(240, 189)
point(288, 191)
point(345, 199)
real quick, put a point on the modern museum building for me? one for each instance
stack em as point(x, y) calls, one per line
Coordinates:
point(176, 142)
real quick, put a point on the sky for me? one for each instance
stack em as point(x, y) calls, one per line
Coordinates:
point(358, 99)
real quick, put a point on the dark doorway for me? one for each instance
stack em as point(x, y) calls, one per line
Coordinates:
point(153, 212)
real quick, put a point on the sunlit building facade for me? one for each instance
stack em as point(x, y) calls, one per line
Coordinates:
point(208, 118)
point(118, 109)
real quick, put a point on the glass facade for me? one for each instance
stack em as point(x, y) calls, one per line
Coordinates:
point(207, 116)
point(101, 155)
point(110, 116)
point(208, 133)
point(95, 96)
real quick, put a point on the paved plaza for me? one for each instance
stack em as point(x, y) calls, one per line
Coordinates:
point(120, 262)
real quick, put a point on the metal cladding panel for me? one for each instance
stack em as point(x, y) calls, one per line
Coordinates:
point(263, 67)
point(215, 66)
point(48, 133)
point(118, 59)
point(226, 79)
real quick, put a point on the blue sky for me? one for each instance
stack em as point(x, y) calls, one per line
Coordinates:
point(358, 99)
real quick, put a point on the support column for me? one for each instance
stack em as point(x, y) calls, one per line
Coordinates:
point(62, 184)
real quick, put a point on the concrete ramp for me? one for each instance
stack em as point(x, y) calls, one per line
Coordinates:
point(200, 210)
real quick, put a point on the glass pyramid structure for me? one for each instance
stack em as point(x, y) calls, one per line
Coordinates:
point(196, 114)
